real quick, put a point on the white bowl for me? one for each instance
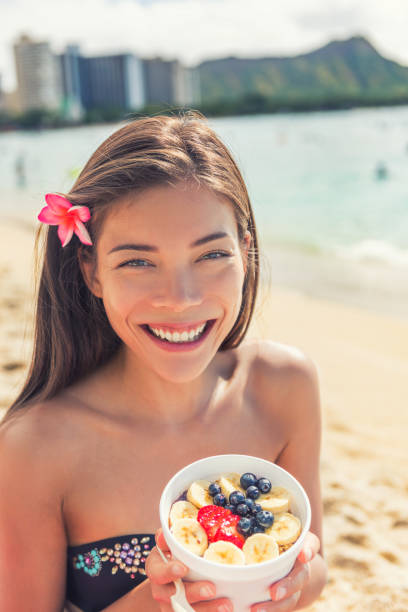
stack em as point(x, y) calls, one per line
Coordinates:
point(243, 584)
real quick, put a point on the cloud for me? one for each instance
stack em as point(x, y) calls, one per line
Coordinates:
point(194, 30)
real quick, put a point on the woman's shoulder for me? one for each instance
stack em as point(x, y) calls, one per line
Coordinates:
point(268, 358)
point(38, 434)
point(280, 374)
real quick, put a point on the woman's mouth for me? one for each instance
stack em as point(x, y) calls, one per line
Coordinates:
point(179, 337)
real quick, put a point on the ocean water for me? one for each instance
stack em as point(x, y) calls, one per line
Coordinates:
point(329, 191)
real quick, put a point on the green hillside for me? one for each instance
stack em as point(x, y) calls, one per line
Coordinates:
point(351, 68)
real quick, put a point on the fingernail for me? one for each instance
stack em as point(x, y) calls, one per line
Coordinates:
point(207, 591)
point(296, 596)
point(224, 608)
point(178, 570)
point(280, 593)
point(307, 554)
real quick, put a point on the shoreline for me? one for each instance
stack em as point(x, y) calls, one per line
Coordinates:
point(214, 110)
point(372, 287)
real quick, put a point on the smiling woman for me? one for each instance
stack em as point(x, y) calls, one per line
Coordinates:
point(182, 282)
point(159, 151)
point(139, 367)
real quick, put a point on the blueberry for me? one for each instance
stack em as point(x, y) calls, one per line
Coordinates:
point(264, 485)
point(244, 526)
point(256, 508)
point(250, 503)
point(231, 507)
point(253, 492)
point(214, 489)
point(220, 499)
point(247, 480)
point(236, 497)
point(264, 518)
point(258, 529)
point(242, 509)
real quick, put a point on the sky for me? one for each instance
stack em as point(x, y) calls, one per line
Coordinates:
point(195, 30)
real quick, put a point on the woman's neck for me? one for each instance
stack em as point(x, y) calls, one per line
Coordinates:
point(141, 393)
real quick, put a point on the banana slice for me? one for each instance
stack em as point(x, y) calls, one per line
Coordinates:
point(260, 547)
point(182, 509)
point(191, 535)
point(286, 528)
point(229, 483)
point(277, 500)
point(224, 552)
point(198, 494)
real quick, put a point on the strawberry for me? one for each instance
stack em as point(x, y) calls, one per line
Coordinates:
point(227, 531)
point(211, 517)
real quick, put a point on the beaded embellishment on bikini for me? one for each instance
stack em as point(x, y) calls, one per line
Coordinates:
point(129, 557)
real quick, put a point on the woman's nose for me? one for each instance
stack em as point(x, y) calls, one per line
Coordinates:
point(178, 292)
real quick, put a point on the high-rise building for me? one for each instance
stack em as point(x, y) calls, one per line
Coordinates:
point(71, 84)
point(169, 82)
point(112, 81)
point(38, 75)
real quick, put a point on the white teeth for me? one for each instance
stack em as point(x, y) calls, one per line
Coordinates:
point(184, 336)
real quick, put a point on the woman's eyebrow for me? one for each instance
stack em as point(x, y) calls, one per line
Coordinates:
point(148, 247)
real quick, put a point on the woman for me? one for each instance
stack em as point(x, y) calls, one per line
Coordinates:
point(139, 367)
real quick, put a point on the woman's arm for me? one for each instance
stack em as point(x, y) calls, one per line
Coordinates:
point(139, 598)
point(32, 534)
point(300, 456)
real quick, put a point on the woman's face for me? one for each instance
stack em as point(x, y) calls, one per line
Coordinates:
point(170, 271)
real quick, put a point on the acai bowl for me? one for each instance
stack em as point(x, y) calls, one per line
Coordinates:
point(243, 581)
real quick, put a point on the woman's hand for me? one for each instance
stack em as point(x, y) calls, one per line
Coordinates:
point(286, 593)
point(161, 576)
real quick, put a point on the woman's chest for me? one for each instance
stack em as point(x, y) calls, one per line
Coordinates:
point(119, 481)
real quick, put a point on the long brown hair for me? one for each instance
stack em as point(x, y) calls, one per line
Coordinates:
point(72, 333)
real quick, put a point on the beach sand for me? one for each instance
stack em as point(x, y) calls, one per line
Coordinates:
point(362, 360)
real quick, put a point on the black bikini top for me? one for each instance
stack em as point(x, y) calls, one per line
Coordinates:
point(100, 572)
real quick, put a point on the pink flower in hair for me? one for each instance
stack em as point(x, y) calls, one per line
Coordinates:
point(70, 219)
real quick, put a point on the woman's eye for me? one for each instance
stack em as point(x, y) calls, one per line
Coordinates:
point(215, 255)
point(135, 263)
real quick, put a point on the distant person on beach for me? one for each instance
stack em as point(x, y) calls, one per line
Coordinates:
point(140, 366)
point(20, 170)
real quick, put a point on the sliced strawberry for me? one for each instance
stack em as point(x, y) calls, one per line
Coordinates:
point(227, 531)
point(211, 517)
point(212, 509)
point(238, 539)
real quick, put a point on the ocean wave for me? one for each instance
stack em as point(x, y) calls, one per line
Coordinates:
point(375, 252)
point(301, 246)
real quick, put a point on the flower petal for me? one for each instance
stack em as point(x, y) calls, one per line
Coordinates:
point(80, 212)
point(65, 232)
point(57, 203)
point(82, 232)
point(48, 216)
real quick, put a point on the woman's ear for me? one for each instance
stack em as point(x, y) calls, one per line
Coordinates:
point(87, 264)
point(247, 245)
